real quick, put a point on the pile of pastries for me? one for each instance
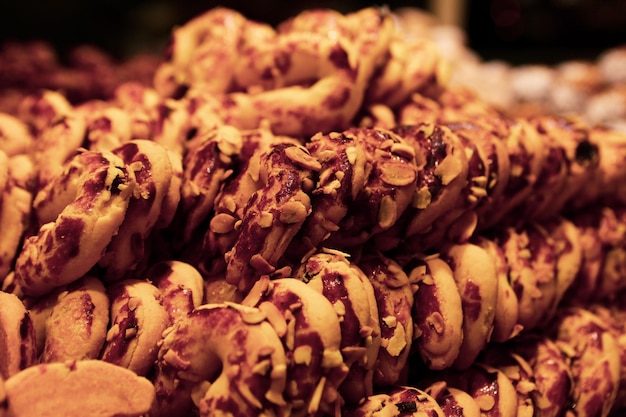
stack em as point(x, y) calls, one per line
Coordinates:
point(306, 220)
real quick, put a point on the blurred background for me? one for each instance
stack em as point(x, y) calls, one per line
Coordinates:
point(517, 31)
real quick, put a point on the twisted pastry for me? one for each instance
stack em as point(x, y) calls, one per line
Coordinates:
point(243, 381)
point(273, 214)
point(65, 249)
point(273, 80)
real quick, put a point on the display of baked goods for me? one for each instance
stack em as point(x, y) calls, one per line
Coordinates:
point(312, 219)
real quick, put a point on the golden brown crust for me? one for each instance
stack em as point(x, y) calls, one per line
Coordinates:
point(77, 323)
point(477, 283)
point(437, 312)
point(233, 347)
point(274, 214)
point(152, 170)
point(353, 298)
point(137, 322)
point(64, 250)
point(17, 336)
point(308, 326)
point(97, 389)
point(394, 297)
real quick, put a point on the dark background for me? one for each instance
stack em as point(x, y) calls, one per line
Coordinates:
point(519, 31)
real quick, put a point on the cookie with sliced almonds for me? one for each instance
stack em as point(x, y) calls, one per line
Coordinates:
point(594, 356)
point(17, 336)
point(309, 328)
point(453, 401)
point(608, 179)
point(205, 168)
point(150, 163)
point(461, 220)
point(477, 283)
point(273, 215)
point(527, 157)
point(519, 371)
point(397, 401)
point(76, 325)
point(390, 175)
point(441, 175)
point(221, 358)
point(326, 89)
point(77, 388)
point(505, 322)
point(568, 249)
point(342, 177)
point(107, 126)
point(181, 287)
point(394, 298)
point(230, 202)
point(137, 321)
point(611, 232)
point(552, 374)
point(65, 249)
point(437, 312)
point(492, 390)
point(573, 151)
point(352, 295)
point(529, 253)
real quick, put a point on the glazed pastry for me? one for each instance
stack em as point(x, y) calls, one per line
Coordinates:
point(15, 207)
point(492, 390)
point(519, 372)
point(595, 360)
point(453, 401)
point(153, 172)
point(394, 298)
point(97, 389)
point(59, 254)
point(400, 401)
point(390, 178)
point(505, 322)
point(352, 295)
point(230, 354)
point(477, 283)
point(180, 285)
point(308, 326)
point(202, 53)
point(137, 322)
point(568, 249)
point(442, 173)
point(205, 168)
point(552, 374)
point(414, 64)
point(273, 216)
point(230, 202)
point(76, 322)
point(17, 337)
point(340, 72)
point(107, 126)
point(531, 259)
point(437, 312)
point(58, 131)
